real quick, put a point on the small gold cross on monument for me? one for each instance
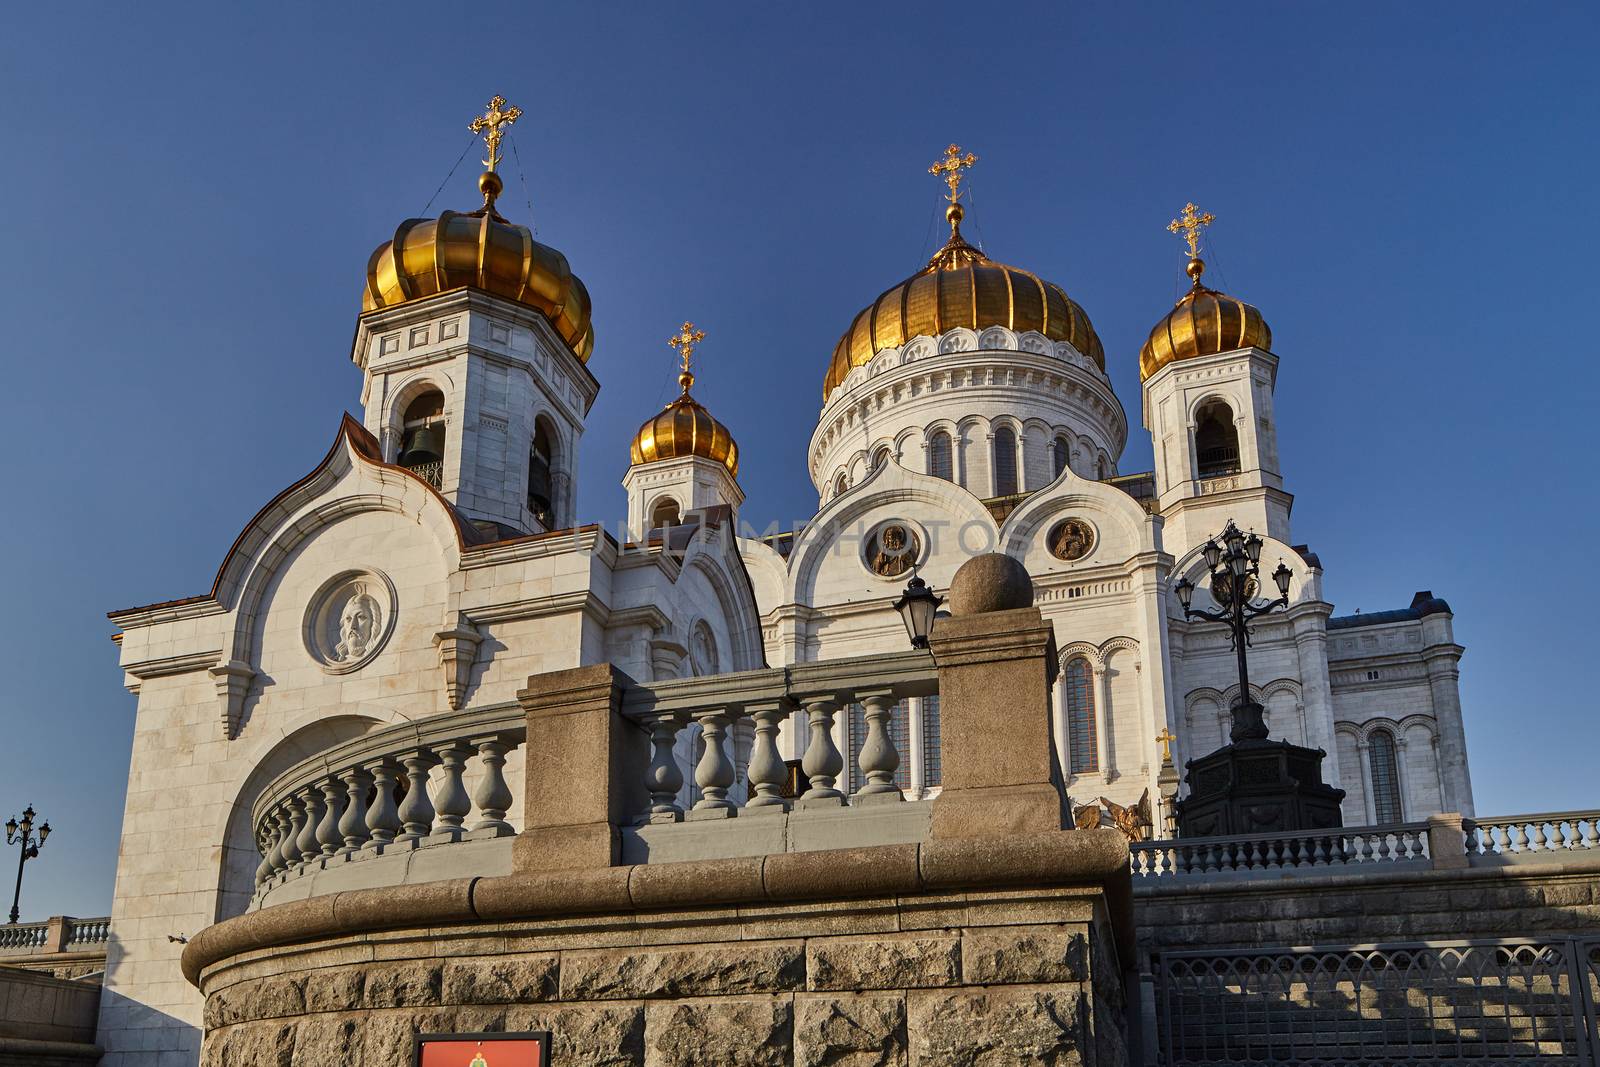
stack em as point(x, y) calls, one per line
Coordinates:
point(1191, 224)
point(491, 124)
point(683, 343)
point(951, 167)
point(1166, 737)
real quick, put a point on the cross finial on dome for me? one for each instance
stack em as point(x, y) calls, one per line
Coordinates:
point(683, 343)
point(491, 124)
point(950, 168)
point(1191, 224)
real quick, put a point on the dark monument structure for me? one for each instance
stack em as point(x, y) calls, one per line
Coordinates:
point(1253, 785)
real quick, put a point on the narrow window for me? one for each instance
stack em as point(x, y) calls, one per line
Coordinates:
point(1059, 453)
point(1385, 777)
point(422, 437)
point(1005, 462)
point(541, 462)
point(1083, 753)
point(880, 458)
point(932, 766)
point(939, 452)
point(1216, 441)
point(840, 484)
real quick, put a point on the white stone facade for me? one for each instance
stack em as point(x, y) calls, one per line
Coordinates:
point(369, 594)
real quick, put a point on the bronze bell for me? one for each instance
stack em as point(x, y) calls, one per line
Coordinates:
point(425, 444)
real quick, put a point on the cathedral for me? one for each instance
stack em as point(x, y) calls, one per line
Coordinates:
point(433, 560)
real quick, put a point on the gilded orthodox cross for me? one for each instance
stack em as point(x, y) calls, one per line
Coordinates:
point(1191, 224)
point(491, 124)
point(683, 343)
point(1166, 737)
point(950, 167)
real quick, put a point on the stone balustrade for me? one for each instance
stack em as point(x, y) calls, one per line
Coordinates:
point(757, 704)
point(394, 789)
point(1354, 849)
point(23, 937)
point(1519, 838)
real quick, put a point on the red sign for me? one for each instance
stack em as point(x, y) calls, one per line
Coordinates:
point(483, 1050)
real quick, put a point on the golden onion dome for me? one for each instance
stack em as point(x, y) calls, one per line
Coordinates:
point(961, 286)
point(483, 251)
point(684, 427)
point(1203, 323)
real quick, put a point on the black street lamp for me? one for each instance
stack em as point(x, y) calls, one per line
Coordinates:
point(22, 834)
point(917, 607)
point(1235, 566)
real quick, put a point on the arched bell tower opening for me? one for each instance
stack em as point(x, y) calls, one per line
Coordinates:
point(665, 513)
point(422, 437)
point(1216, 440)
point(541, 473)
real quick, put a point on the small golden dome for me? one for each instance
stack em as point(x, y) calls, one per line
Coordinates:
point(685, 428)
point(961, 286)
point(1203, 323)
point(484, 251)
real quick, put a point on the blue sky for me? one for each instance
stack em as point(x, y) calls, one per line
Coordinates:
point(1406, 191)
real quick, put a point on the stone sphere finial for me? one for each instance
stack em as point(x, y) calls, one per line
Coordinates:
point(990, 582)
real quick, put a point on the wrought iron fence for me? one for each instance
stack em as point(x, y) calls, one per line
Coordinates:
point(1406, 1003)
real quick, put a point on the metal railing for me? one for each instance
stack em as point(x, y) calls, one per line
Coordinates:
point(1348, 848)
point(1543, 836)
point(1507, 1001)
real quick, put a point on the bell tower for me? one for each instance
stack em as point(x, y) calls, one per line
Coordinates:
point(682, 460)
point(1208, 376)
point(474, 341)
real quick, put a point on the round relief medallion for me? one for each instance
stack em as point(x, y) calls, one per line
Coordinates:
point(892, 550)
point(1071, 539)
point(349, 620)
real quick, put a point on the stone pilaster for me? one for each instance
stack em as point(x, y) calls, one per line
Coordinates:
point(578, 754)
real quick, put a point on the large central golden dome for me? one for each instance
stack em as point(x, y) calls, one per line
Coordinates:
point(483, 251)
point(961, 286)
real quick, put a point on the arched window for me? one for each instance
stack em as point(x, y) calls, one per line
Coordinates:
point(541, 464)
point(1083, 752)
point(1060, 453)
point(939, 453)
point(1216, 441)
point(880, 457)
point(665, 513)
point(422, 437)
point(1385, 777)
point(1005, 462)
point(1105, 469)
point(840, 484)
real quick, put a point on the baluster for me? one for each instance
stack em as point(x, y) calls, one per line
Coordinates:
point(416, 810)
point(1519, 837)
point(297, 823)
point(1566, 834)
point(714, 773)
point(451, 802)
point(1591, 833)
point(1253, 860)
point(311, 800)
point(1537, 844)
point(768, 773)
point(353, 824)
point(879, 759)
point(267, 842)
point(493, 796)
point(383, 821)
point(664, 778)
point(822, 761)
point(328, 836)
point(1502, 840)
point(285, 833)
point(1385, 852)
point(1275, 851)
point(1319, 852)
point(1209, 859)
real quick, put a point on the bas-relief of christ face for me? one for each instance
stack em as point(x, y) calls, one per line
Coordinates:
point(358, 623)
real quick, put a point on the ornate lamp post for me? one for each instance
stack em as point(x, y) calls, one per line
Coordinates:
point(22, 835)
point(1252, 785)
point(1235, 566)
point(917, 607)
